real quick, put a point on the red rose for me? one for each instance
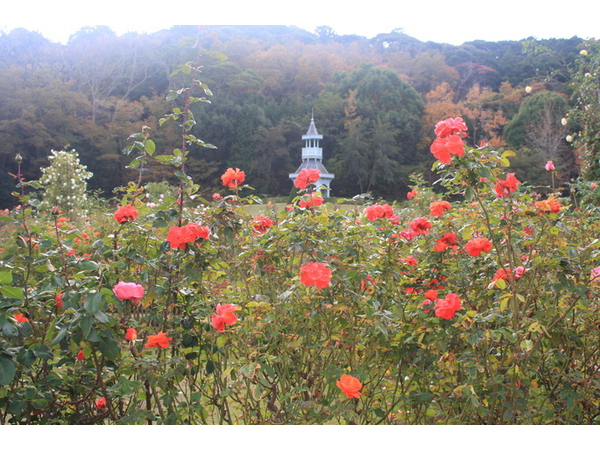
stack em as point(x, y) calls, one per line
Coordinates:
point(431, 294)
point(449, 127)
point(350, 386)
point(178, 237)
point(420, 226)
point(412, 194)
point(550, 205)
point(80, 356)
point(425, 306)
point(315, 273)
point(225, 316)
point(306, 177)
point(101, 404)
point(443, 149)
point(262, 224)
point(129, 291)
point(475, 246)
point(505, 187)
point(20, 318)
point(446, 307)
point(375, 212)
point(367, 284)
point(233, 178)
point(407, 235)
point(410, 260)
point(158, 340)
point(447, 240)
point(126, 213)
point(438, 208)
point(308, 202)
point(504, 273)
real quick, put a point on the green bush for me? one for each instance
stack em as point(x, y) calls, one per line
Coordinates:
point(482, 311)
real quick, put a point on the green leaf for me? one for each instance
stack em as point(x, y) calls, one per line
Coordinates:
point(469, 194)
point(218, 55)
point(504, 301)
point(61, 335)
point(17, 407)
point(10, 329)
point(89, 265)
point(42, 352)
point(150, 147)
point(86, 326)
point(5, 277)
point(109, 347)
point(101, 317)
point(26, 357)
point(25, 329)
point(8, 369)
point(93, 302)
point(12, 292)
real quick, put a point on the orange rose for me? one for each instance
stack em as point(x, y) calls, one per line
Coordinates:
point(158, 340)
point(233, 178)
point(350, 386)
point(131, 334)
point(551, 205)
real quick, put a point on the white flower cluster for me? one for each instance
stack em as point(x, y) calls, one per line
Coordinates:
point(65, 182)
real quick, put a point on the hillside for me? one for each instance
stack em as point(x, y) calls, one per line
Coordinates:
point(374, 100)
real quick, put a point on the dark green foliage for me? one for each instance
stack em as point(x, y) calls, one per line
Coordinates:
point(538, 127)
point(91, 93)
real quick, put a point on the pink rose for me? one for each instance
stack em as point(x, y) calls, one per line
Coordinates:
point(550, 166)
point(129, 291)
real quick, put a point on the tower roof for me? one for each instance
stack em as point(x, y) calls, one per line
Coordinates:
point(312, 129)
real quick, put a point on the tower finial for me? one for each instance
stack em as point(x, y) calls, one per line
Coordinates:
point(312, 115)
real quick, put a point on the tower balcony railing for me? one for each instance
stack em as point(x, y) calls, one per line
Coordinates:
point(312, 153)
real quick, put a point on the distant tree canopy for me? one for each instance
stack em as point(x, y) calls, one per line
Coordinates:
point(375, 101)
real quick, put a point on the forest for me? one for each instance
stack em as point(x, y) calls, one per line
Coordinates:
point(375, 101)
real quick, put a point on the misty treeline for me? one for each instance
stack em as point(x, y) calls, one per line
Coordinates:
point(376, 102)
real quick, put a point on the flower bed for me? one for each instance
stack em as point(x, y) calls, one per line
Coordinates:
point(482, 311)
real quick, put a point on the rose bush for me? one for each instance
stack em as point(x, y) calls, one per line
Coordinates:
point(481, 312)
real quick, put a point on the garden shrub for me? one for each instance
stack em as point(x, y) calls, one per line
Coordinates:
point(64, 183)
point(481, 311)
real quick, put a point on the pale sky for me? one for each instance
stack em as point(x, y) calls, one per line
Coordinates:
point(446, 21)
